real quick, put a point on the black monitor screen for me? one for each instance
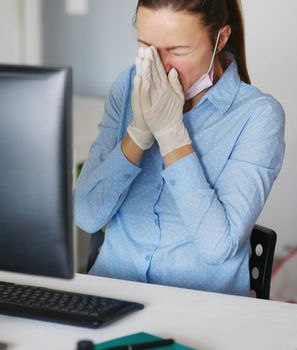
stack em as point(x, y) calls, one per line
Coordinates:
point(36, 170)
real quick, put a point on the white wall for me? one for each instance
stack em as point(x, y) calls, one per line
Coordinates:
point(31, 31)
point(10, 41)
point(20, 31)
point(271, 36)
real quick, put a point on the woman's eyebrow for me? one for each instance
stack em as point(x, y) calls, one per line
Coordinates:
point(143, 42)
point(167, 48)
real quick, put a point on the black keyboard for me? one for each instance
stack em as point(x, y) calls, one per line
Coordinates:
point(60, 306)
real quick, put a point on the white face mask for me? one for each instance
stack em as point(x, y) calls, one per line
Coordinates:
point(206, 80)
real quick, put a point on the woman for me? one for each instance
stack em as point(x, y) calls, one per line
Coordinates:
point(186, 155)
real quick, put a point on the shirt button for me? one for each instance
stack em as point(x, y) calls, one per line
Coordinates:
point(147, 258)
point(159, 187)
point(156, 222)
point(172, 182)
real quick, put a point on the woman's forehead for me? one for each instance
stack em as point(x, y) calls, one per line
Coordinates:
point(167, 26)
point(165, 16)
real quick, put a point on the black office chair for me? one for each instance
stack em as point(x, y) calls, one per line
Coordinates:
point(263, 242)
point(96, 240)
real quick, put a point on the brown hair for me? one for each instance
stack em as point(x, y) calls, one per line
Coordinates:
point(215, 14)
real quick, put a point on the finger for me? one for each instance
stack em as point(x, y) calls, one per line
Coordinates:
point(175, 83)
point(159, 67)
point(139, 60)
point(156, 82)
point(145, 95)
point(141, 52)
point(146, 69)
point(137, 87)
point(148, 53)
point(148, 88)
point(136, 102)
point(138, 65)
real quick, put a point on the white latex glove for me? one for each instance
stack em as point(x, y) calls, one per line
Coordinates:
point(162, 101)
point(138, 130)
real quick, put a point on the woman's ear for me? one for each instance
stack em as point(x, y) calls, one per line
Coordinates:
point(224, 36)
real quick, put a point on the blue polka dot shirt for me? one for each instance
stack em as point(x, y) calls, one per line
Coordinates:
point(187, 225)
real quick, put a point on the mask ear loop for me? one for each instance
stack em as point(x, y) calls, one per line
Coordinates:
point(214, 51)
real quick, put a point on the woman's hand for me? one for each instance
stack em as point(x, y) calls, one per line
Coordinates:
point(161, 100)
point(138, 130)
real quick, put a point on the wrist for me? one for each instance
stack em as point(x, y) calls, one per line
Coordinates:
point(131, 150)
point(144, 139)
point(172, 138)
point(177, 154)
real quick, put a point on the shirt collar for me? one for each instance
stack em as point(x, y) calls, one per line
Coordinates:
point(222, 94)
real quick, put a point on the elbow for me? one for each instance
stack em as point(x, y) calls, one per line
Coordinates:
point(85, 222)
point(83, 218)
point(90, 219)
point(86, 227)
point(215, 258)
point(220, 251)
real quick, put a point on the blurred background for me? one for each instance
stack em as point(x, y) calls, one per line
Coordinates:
point(98, 40)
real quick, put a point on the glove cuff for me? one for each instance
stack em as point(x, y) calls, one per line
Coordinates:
point(143, 138)
point(172, 138)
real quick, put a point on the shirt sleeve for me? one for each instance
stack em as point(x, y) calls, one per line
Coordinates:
point(221, 217)
point(106, 174)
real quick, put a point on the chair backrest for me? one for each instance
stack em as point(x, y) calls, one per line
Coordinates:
point(95, 243)
point(263, 242)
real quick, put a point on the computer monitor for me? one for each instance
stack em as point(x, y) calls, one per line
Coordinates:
point(36, 170)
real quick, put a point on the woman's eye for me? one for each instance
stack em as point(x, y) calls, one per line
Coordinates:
point(181, 52)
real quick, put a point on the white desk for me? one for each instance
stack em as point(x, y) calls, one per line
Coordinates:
point(206, 321)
